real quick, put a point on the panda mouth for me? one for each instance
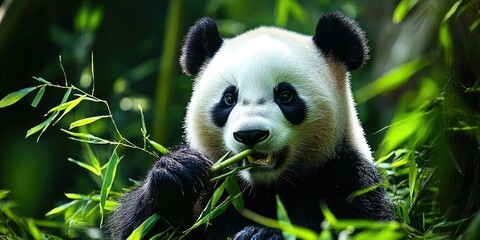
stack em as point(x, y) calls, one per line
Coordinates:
point(269, 160)
point(260, 158)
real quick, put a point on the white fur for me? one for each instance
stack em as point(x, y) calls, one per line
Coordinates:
point(255, 62)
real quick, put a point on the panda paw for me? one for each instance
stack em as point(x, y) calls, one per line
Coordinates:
point(178, 176)
point(258, 233)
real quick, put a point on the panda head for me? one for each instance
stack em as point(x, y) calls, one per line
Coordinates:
point(284, 95)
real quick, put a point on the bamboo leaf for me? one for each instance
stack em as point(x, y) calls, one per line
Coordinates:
point(86, 137)
point(93, 73)
point(300, 232)
point(66, 95)
point(445, 38)
point(39, 127)
point(75, 196)
point(107, 182)
point(212, 214)
point(281, 211)
point(15, 96)
point(217, 194)
point(86, 121)
point(404, 213)
point(91, 141)
point(474, 25)
point(71, 106)
point(160, 235)
point(298, 13)
point(328, 214)
point(159, 147)
point(400, 162)
point(281, 12)
point(41, 80)
point(283, 219)
point(144, 128)
point(473, 229)
point(397, 153)
point(61, 208)
point(53, 116)
point(44, 125)
point(360, 192)
point(393, 78)
point(61, 107)
point(86, 166)
point(4, 193)
point(402, 9)
point(109, 204)
point(64, 104)
point(143, 229)
point(452, 10)
point(33, 229)
point(213, 201)
point(234, 191)
point(90, 99)
point(38, 97)
point(231, 172)
point(412, 176)
point(93, 159)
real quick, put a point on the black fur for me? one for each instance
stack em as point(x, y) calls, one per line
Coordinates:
point(341, 37)
point(294, 111)
point(221, 110)
point(252, 232)
point(201, 43)
point(173, 189)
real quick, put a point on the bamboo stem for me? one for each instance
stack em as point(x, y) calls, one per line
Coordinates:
point(219, 166)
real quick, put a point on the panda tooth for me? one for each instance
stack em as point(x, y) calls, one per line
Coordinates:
point(269, 158)
point(250, 159)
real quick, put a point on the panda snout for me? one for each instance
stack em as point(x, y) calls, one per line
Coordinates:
point(251, 137)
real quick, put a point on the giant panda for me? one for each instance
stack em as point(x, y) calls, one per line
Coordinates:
point(286, 96)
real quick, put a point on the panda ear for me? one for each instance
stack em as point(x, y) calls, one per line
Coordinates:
point(341, 37)
point(201, 43)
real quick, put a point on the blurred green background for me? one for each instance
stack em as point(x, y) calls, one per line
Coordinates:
point(422, 52)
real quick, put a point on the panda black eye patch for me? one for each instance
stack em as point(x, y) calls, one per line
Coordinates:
point(292, 106)
point(224, 106)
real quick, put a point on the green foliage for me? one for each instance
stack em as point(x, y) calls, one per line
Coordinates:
point(403, 7)
point(141, 230)
point(286, 7)
point(15, 226)
point(289, 229)
point(15, 96)
point(393, 79)
point(85, 121)
point(107, 182)
point(83, 211)
point(406, 156)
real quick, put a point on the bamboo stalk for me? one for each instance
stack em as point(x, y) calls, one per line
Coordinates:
point(219, 166)
point(166, 69)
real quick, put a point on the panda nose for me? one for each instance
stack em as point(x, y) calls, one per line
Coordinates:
point(251, 137)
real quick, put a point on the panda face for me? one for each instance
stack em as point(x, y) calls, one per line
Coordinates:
point(268, 90)
point(285, 95)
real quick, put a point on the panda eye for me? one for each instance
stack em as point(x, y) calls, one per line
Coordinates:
point(229, 99)
point(285, 97)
